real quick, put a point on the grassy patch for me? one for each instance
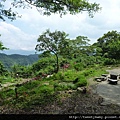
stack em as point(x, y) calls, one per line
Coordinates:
point(42, 92)
point(4, 79)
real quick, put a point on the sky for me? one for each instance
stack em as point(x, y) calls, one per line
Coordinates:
point(20, 35)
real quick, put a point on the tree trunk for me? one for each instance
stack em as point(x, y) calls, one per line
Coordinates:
point(57, 69)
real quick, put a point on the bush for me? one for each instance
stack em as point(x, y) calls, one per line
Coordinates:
point(4, 79)
point(81, 81)
point(78, 66)
point(31, 85)
point(44, 94)
point(58, 76)
point(88, 72)
point(69, 75)
point(109, 61)
point(45, 90)
point(61, 87)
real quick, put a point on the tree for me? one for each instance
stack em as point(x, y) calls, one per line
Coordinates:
point(3, 71)
point(6, 12)
point(54, 42)
point(109, 44)
point(2, 46)
point(78, 46)
point(51, 6)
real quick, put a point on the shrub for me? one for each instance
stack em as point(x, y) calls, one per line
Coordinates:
point(58, 76)
point(70, 75)
point(81, 81)
point(44, 94)
point(88, 72)
point(61, 87)
point(109, 61)
point(4, 79)
point(78, 66)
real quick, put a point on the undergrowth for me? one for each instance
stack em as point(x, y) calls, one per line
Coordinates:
point(42, 92)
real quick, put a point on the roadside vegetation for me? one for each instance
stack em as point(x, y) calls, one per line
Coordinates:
point(64, 65)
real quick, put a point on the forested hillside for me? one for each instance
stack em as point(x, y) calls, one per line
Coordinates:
point(10, 60)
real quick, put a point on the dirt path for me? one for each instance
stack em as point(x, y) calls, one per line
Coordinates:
point(110, 93)
point(8, 84)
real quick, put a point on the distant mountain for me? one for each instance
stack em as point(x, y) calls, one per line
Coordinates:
point(10, 60)
point(21, 52)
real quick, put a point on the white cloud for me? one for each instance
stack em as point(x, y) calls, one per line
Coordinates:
point(23, 32)
point(14, 38)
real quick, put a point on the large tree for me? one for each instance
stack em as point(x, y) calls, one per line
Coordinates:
point(109, 45)
point(47, 7)
point(54, 42)
point(78, 46)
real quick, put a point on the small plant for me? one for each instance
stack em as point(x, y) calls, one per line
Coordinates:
point(59, 76)
point(78, 66)
point(81, 81)
point(88, 72)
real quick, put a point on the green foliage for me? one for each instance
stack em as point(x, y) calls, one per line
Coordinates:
point(59, 76)
point(45, 54)
point(78, 66)
point(64, 86)
point(2, 46)
point(61, 87)
point(38, 93)
point(3, 71)
point(61, 7)
point(5, 79)
point(43, 95)
point(22, 71)
point(29, 85)
point(70, 75)
point(44, 65)
point(82, 82)
point(7, 94)
point(54, 42)
point(109, 61)
point(109, 44)
point(46, 90)
point(10, 60)
point(88, 72)
point(6, 12)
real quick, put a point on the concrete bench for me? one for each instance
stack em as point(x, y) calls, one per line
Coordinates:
point(113, 81)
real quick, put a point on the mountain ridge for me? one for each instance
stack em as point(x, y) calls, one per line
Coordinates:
point(10, 60)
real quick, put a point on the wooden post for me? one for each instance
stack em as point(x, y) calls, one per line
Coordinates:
point(16, 94)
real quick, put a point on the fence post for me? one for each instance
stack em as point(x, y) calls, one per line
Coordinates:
point(16, 94)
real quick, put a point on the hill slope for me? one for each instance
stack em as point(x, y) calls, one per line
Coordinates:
point(9, 60)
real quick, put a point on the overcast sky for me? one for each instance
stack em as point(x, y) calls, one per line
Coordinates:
point(22, 33)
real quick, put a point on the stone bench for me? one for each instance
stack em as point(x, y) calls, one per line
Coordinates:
point(113, 81)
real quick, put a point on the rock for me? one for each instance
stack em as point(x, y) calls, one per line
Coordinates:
point(79, 89)
point(98, 80)
point(82, 89)
point(69, 91)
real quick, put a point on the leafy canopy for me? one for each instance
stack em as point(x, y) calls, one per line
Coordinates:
point(47, 7)
point(54, 42)
point(109, 44)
